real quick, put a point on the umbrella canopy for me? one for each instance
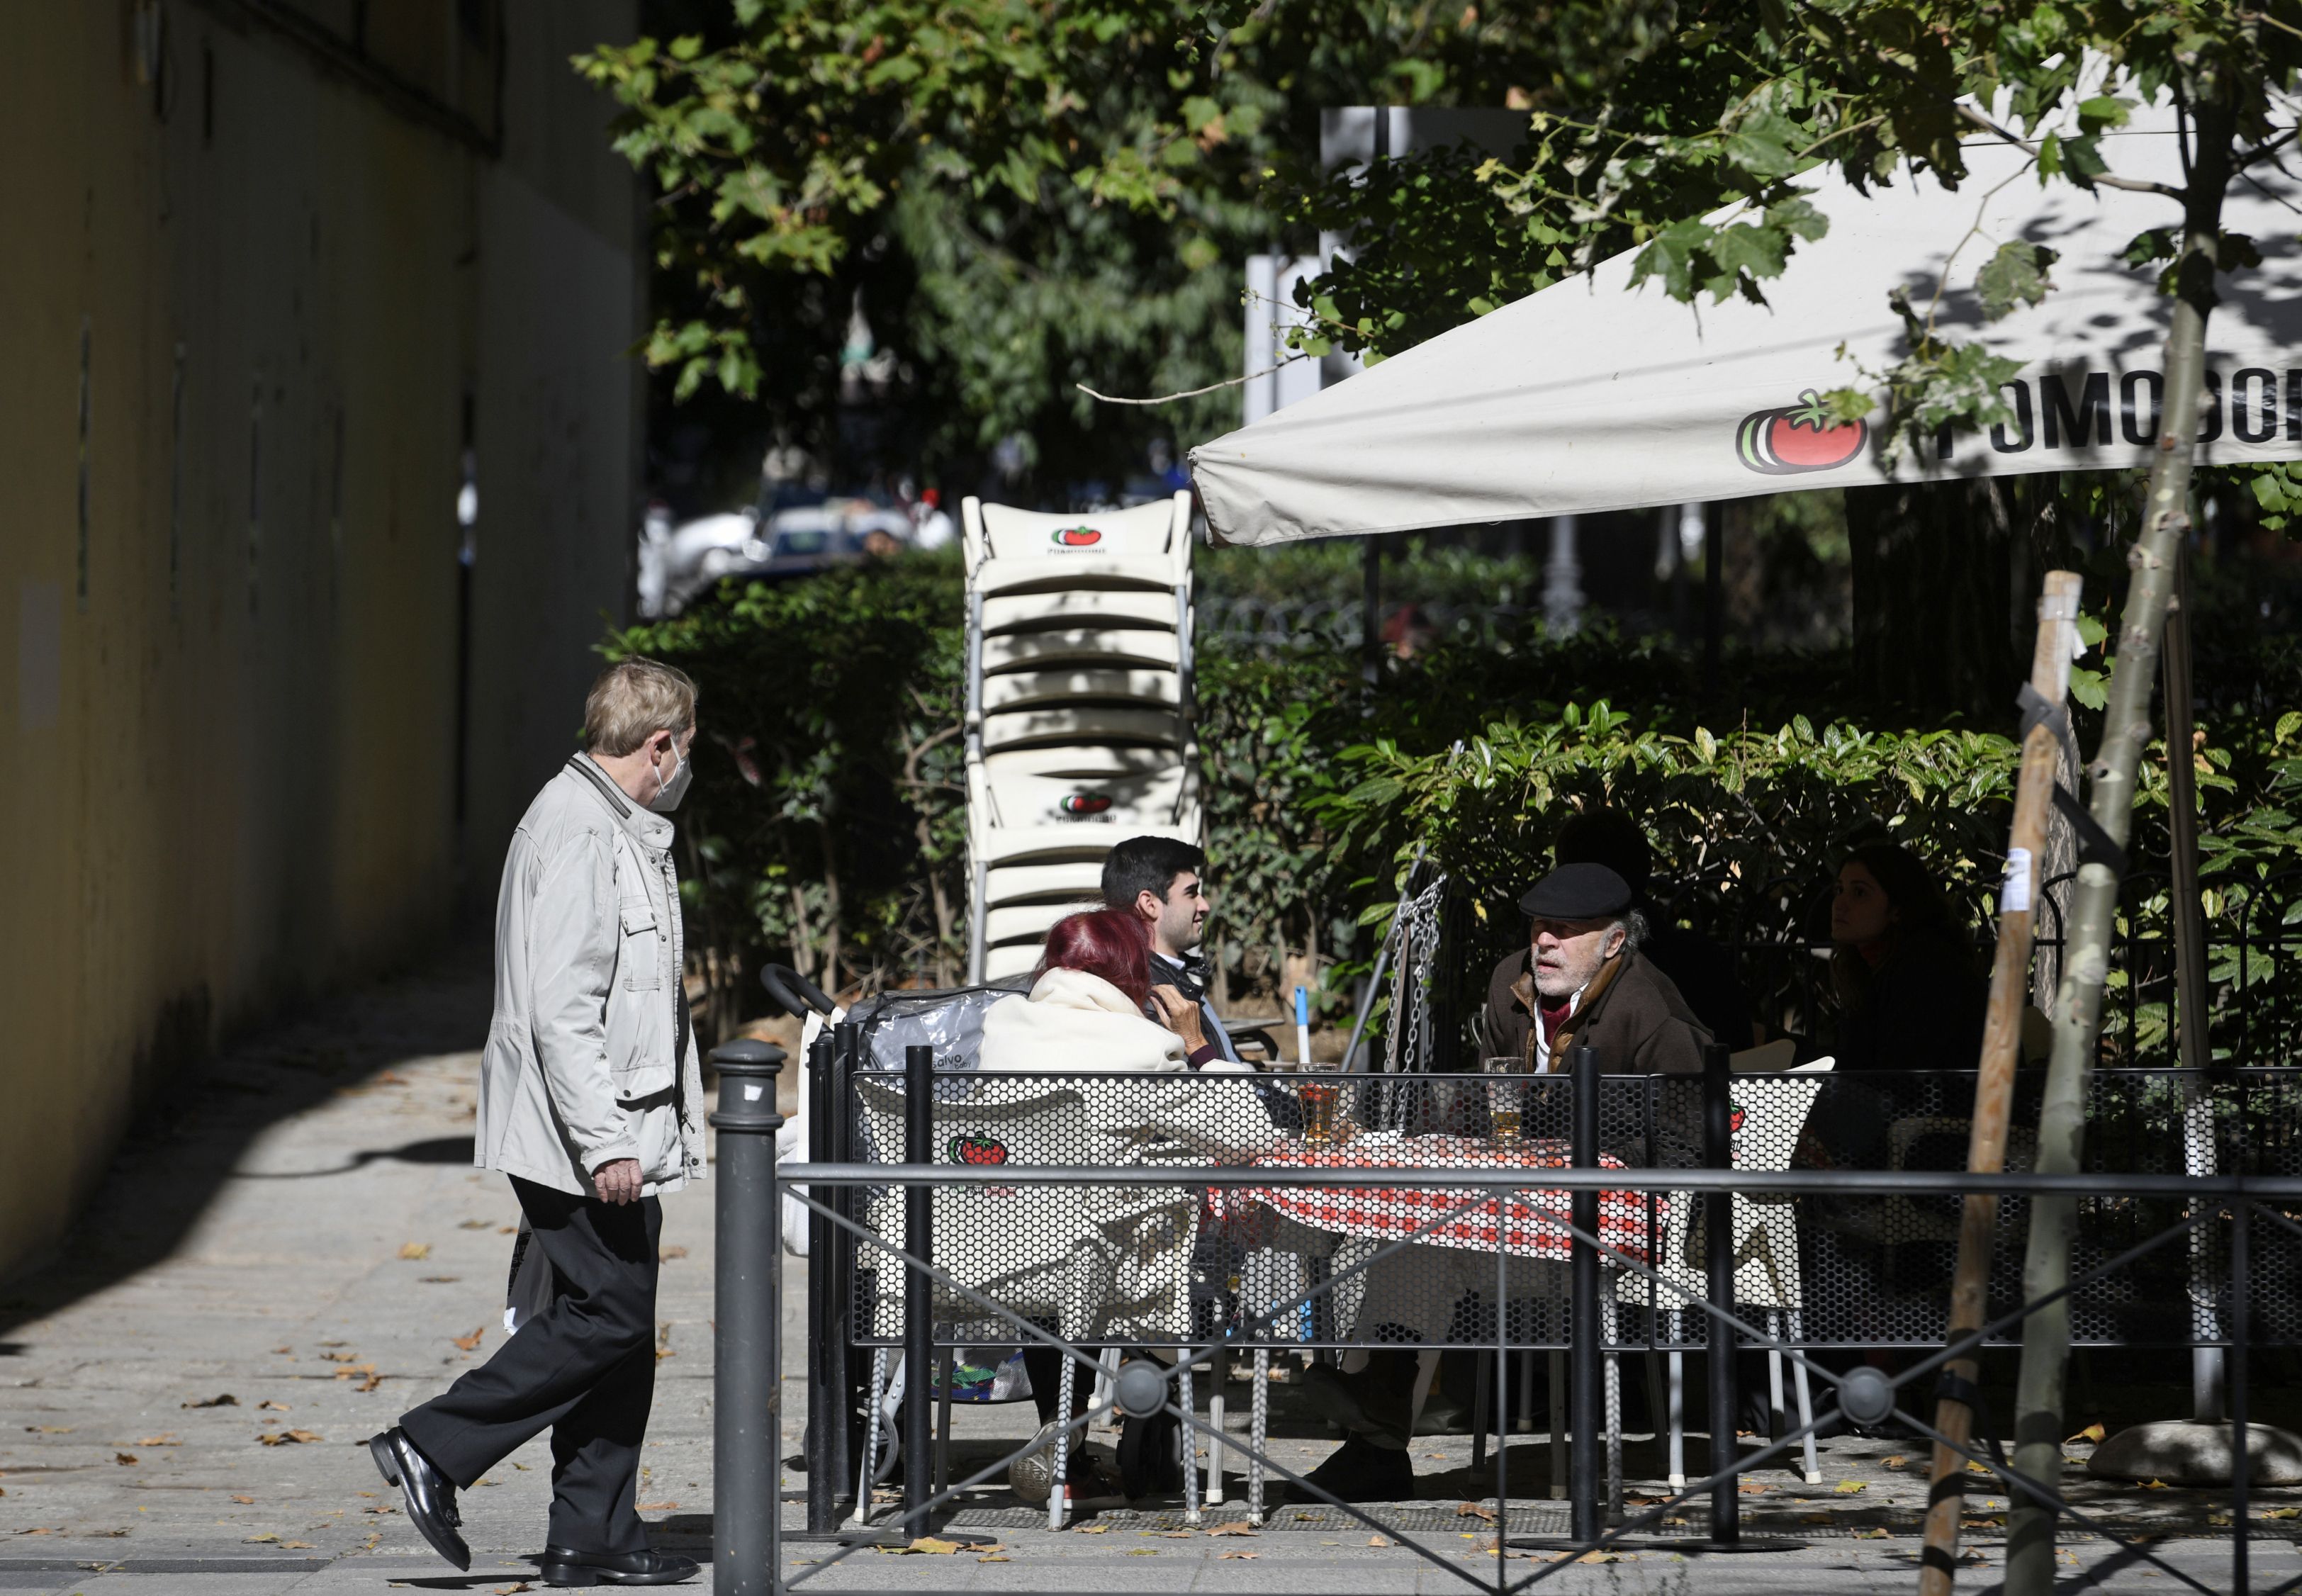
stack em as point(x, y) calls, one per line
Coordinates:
point(1592, 395)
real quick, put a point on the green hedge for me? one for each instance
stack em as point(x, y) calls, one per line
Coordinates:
point(827, 825)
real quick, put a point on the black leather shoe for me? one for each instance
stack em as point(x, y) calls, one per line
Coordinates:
point(429, 1495)
point(562, 1566)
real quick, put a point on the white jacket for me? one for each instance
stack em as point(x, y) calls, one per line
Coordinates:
point(589, 1058)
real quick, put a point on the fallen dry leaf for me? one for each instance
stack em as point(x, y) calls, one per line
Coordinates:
point(2093, 1433)
point(160, 1441)
point(1378, 1540)
point(370, 1383)
point(1874, 1534)
point(414, 1251)
point(47, 1429)
point(1474, 1511)
point(340, 1357)
point(290, 1437)
point(1751, 1488)
point(245, 1501)
point(665, 1254)
point(124, 1458)
point(506, 1230)
point(1814, 1518)
point(259, 1540)
point(513, 1590)
point(1094, 1529)
point(275, 1406)
point(1237, 1526)
point(471, 1343)
point(935, 1546)
point(1142, 1552)
point(281, 1351)
point(2282, 1512)
point(1170, 1534)
point(1973, 1467)
point(475, 1224)
point(2155, 1485)
point(1896, 1461)
point(1848, 1487)
point(355, 1371)
point(389, 1078)
point(296, 1545)
point(1245, 1556)
point(225, 1401)
point(44, 1531)
point(994, 1558)
point(658, 1507)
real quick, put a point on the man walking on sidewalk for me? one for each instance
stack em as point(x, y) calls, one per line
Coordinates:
point(590, 1100)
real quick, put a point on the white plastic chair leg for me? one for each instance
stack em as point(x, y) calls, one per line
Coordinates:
point(1258, 1421)
point(1218, 1374)
point(1185, 1400)
point(1677, 1400)
point(944, 1362)
point(1777, 1423)
point(1612, 1396)
point(1806, 1407)
point(1558, 1426)
point(1654, 1361)
point(1059, 1495)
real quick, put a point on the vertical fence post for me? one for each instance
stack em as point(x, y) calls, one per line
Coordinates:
point(746, 1347)
point(1718, 1236)
point(1583, 1497)
point(2242, 1462)
point(919, 1296)
point(827, 1349)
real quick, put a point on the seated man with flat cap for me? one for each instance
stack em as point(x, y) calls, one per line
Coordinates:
point(1581, 980)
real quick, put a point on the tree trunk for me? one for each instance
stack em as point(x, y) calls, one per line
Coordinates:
point(2038, 1428)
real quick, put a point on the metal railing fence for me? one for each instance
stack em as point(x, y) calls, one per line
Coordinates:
point(2251, 1205)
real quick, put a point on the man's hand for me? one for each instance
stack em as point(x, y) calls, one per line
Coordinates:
point(618, 1180)
point(1181, 1015)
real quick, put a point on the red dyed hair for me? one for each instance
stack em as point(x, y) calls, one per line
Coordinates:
point(1112, 942)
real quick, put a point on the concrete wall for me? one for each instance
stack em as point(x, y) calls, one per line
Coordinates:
point(260, 286)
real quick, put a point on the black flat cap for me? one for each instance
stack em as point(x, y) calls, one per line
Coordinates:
point(1577, 892)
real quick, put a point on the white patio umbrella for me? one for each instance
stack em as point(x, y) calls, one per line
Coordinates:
point(1592, 395)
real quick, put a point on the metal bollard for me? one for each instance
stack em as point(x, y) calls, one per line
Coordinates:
point(919, 1298)
point(747, 1309)
point(1583, 1354)
point(1718, 1230)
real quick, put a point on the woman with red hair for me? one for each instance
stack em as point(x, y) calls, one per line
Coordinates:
point(1088, 1005)
point(1087, 1010)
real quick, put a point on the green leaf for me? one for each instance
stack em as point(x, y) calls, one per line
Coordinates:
point(2088, 687)
point(2015, 275)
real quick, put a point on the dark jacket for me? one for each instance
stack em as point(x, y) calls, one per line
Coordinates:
point(1923, 1009)
point(1640, 1024)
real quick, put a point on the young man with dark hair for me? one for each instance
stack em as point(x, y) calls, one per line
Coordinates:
point(1164, 882)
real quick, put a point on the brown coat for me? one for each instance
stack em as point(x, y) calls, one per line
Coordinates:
point(1639, 1024)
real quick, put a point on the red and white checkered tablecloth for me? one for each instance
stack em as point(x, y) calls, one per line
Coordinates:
point(1537, 1220)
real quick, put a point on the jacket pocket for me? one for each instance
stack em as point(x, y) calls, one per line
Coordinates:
point(639, 953)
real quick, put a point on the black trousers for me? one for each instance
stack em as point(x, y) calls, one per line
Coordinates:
point(584, 1368)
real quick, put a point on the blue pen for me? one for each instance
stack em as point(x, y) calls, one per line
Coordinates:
point(1302, 1025)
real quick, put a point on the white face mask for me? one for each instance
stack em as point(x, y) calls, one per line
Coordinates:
point(674, 785)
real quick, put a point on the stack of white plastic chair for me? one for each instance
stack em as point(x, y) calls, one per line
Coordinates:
point(1079, 725)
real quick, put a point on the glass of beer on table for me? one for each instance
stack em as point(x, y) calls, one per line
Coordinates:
point(1321, 1095)
point(1506, 1096)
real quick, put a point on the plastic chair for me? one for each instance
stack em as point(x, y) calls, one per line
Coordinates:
point(1770, 1112)
point(1079, 720)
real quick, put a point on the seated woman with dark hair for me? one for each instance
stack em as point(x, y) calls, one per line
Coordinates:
point(1910, 994)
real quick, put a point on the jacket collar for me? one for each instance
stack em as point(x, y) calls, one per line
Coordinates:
point(644, 824)
point(1064, 988)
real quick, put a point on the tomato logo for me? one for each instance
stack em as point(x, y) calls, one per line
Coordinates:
point(1077, 537)
point(1085, 803)
point(1735, 1120)
point(974, 1147)
point(1800, 437)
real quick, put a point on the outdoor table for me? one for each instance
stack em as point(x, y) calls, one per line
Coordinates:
point(1537, 1220)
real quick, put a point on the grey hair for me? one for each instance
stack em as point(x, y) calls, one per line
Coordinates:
point(1634, 927)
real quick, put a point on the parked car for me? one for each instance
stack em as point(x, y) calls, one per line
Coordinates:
point(780, 540)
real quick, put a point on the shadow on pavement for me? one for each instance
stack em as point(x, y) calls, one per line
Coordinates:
point(179, 1152)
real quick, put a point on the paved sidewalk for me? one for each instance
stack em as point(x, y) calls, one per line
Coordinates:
point(299, 1250)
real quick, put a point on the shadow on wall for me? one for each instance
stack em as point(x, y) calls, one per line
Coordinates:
point(178, 1153)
